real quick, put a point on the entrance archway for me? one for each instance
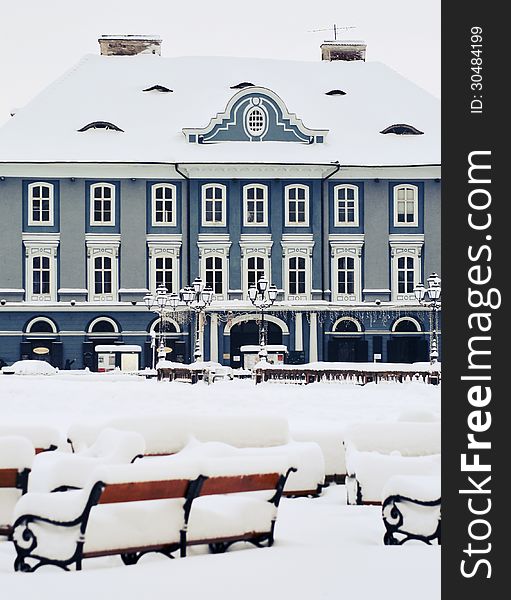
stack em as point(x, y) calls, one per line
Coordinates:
point(348, 345)
point(246, 333)
point(41, 342)
point(410, 344)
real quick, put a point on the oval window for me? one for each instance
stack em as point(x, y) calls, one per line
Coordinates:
point(256, 121)
point(41, 350)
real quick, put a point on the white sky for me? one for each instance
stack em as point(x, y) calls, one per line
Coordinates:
point(40, 39)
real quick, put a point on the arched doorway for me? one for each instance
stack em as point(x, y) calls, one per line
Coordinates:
point(347, 343)
point(408, 345)
point(176, 347)
point(246, 333)
point(101, 331)
point(41, 342)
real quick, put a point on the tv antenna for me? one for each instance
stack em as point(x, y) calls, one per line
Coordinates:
point(335, 29)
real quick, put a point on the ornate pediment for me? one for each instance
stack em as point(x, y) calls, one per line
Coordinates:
point(255, 114)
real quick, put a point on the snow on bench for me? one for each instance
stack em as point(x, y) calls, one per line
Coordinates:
point(373, 446)
point(58, 470)
point(169, 433)
point(41, 437)
point(144, 507)
point(16, 456)
point(411, 510)
point(306, 457)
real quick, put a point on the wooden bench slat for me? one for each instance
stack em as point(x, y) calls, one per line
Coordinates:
point(239, 483)
point(113, 551)
point(144, 490)
point(8, 478)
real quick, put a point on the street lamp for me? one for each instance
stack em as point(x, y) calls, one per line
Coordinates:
point(431, 297)
point(197, 297)
point(262, 296)
point(157, 303)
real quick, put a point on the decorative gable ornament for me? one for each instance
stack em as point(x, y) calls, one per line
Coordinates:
point(255, 114)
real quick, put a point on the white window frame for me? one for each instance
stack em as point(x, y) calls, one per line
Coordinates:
point(208, 186)
point(405, 247)
point(337, 201)
point(165, 186)
point(349, 247)
point(346, 269)
point(255, 245)
point(214, 257)
point(171, 270)
point(215, 245)
point(43, 245)
point(164, 246)
point(415, 201)
point(264, 200)
point(297, 246)
point(31, 199)
point(93, 222)
point(102, 245)
point(287, 202)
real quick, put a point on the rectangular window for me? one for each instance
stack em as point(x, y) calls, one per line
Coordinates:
point(102, 275)
point(406, 206)
point(102, 204)
point(213, 205)
point(255, 205)
point(297, 275)
point(164, 272)
point(346, 205)
point(405, 275)
point(40, 199)
point(297, 205)
point(346, 275)
point(41, 275)
point(163, 204)
point(214, 274)
point(255, 270)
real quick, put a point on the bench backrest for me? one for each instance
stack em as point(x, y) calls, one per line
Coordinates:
point(144, 490)
point(239, 483)
point(8, 478)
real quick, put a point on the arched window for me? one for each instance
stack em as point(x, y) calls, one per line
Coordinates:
point(163, 204)
point(406, 211)
point(346, 275)
point(40, 204)
point(347, 325)
point(100, 125)
point(297, 205)
point(406, 325)
point(102, 204)
point(41, 325)
point(255, 205)
point(255, 269)
point(102, 275)
point(297, 275)
point(213, 205)
point(346, 206)
point(103, 325)
point(214, 274)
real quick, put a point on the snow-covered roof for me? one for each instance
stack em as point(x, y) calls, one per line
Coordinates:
point(110, 88)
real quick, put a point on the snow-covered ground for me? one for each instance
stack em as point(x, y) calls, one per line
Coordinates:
point(324, 548)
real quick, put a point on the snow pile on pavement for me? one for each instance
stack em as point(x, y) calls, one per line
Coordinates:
point(30, 367)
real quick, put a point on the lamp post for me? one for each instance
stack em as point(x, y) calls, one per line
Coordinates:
point(262, 296)
point(431, 297)
point(197, 297)
point(157, 303)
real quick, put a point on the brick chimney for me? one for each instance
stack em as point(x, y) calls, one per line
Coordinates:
point(343, 50)
point(129, 45)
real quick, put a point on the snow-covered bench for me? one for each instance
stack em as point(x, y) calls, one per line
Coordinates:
point(374, 452)
point(16, 456)
point(134, 509)
point(54, 471)
point(42, 437)
point(411, 510)
point(170, 433)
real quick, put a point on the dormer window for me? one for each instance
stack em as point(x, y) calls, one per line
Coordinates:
point(100, 125)
point(158, 88)
point(402, 129)
point(335, 93)
point(241, 85)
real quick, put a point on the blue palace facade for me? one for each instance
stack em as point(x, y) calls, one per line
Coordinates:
point(134, 170)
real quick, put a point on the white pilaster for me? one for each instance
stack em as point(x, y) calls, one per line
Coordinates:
point(313, 338)
point(298, 332)
point(213, 338)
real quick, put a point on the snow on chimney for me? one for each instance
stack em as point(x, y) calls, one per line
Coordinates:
point(343, 50)
point(129, 45)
